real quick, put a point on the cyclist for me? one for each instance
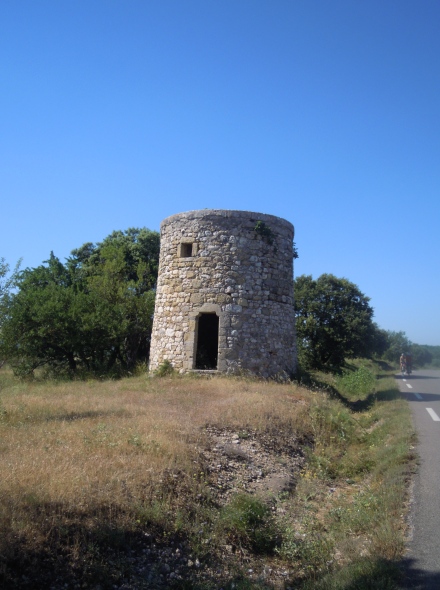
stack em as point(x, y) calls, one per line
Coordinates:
point(403, 366)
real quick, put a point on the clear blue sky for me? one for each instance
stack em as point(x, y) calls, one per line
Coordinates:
point(117, 114)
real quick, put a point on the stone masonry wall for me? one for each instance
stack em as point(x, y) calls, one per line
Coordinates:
point(238, 265)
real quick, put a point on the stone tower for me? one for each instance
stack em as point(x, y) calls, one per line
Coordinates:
point(224, 298)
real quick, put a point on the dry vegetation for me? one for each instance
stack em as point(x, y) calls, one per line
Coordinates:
point(181, 482)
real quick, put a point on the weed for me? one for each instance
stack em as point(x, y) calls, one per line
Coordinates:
point(165, 369)
point(358, 383)
point(266, 233)
point(311, 551)
point(248, 521)
point(364, 574)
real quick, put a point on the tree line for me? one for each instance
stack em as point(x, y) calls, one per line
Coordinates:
point(93, 314)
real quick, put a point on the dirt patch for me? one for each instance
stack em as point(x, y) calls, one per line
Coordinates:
point(251, 462)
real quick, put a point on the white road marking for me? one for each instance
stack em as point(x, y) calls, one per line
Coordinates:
point(418, 396)
point(433, 414)
point(403, 379)
point(408, 385)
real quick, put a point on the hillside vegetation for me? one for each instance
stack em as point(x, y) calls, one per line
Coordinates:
point(185, 482)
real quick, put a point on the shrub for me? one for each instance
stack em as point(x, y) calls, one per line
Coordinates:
point(164, 369)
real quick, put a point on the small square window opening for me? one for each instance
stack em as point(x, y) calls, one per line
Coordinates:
point(186, 250)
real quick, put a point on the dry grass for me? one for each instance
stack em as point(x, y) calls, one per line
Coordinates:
point(77, 441)
point(90, 468)
point(75, 456)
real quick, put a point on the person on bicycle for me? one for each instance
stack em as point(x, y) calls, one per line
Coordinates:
point(403, 366)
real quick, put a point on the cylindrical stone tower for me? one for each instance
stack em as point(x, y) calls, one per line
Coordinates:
point(224, 298)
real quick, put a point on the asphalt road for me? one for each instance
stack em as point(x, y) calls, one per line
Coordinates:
point(422, 561)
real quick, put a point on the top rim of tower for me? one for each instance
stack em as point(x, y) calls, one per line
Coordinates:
point(231, 213)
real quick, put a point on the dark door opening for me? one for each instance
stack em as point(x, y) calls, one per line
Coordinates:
point(207, 342)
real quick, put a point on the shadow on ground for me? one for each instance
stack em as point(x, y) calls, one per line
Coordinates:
point(73, 550)
point(418, 579)
point(360, 405)
point(414, 377)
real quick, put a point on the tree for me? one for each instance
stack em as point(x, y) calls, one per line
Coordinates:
point(333, 322)
point(377, 342)
point(398, 343)
point(124, 301)
point(7, 283)
point(94, 313)
point(421, 355)
point(435, 354)
point(139, 249)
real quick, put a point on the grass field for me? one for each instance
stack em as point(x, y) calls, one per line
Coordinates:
point(186, 482)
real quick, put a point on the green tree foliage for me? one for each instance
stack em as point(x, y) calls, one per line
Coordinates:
point(397, 343)
point(139, 249)
point(7, 283)
point(378, 342)
point(422, 354)
point(434, 351)
point(334, 322)
point(93, 313)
